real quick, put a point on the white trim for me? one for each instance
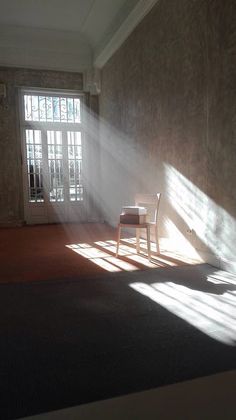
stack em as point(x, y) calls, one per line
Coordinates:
point(209, 258)
point(78, 68)
point(47, 211)
point(218, 261)
point(135, 16)
point(92, 81)
point(51, 92)
point(228, 265)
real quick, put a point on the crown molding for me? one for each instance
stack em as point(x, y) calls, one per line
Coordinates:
point(129, 24)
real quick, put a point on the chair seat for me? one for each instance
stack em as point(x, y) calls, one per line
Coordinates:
point(135, 225)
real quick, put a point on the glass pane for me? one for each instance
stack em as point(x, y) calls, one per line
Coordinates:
point(34, 165)
point(75, 161)
point(37, 137)
point(52, 108)
point(70, 109)
point(29, 136)
point(72, 172)
point(35, 108)
point(28, 107)
point(50, 137)
point(55, 165)
point(58, 137)
point(29, 151)
point(56, 109)
point(78, 138)
point(60, 194)
point(77, 110)
point(49, 109)
point(63, 109)
point(58, 152)
point(42, 108)
point(38, 151)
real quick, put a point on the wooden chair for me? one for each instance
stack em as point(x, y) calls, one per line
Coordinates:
point(151, 202)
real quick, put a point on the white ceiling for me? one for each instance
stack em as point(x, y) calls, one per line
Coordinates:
point(52, 14)
point(63, 34)
point(88, 17)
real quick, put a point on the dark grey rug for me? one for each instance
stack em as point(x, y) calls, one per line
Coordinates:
point(65, 343)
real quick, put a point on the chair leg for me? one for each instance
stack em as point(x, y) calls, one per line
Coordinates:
point(118, 240)
point(157, 240)
point(138, 240)
point(148, 243)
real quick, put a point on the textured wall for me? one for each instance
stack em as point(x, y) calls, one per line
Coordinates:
point(168, 121)
point(11, 196)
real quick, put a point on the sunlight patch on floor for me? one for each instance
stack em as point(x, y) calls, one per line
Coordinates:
point(102, 253)
point(210, 310)
point(175, 258)
point(101, 258)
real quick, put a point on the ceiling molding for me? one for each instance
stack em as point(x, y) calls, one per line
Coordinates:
point(129, 24)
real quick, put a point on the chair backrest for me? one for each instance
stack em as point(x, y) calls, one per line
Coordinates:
point(151, 202)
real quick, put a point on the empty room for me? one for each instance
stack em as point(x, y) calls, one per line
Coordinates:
point(117, 209)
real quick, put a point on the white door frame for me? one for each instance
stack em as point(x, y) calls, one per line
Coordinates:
point(48, 211)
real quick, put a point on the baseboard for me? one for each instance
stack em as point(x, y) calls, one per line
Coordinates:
point(209, 258)
point(228, 265)
point(112, 223)
point(218, 262)
point(95, 220)
point(11, 224)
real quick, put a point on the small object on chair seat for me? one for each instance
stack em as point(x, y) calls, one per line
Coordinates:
point(134, 210)
point(133, 219)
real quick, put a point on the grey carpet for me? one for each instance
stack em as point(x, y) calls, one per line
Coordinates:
point(70, 342)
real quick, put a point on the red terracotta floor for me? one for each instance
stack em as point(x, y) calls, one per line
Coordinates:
point(50, 252)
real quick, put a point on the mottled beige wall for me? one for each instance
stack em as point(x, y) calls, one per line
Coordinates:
point(11, 195)
point(168, 112)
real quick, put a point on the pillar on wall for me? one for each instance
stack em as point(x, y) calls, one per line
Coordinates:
point(92, 88)
point(92, 81)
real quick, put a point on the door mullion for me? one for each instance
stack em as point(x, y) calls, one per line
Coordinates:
point(26, 183)
point(65, 172)
point(46, 180)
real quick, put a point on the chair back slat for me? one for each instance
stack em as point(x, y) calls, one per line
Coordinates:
point(151, 202)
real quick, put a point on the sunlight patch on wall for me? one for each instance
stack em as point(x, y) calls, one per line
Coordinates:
point(178, 240)
point(208, 222)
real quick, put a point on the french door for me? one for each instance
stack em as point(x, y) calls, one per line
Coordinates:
point(54, 157)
